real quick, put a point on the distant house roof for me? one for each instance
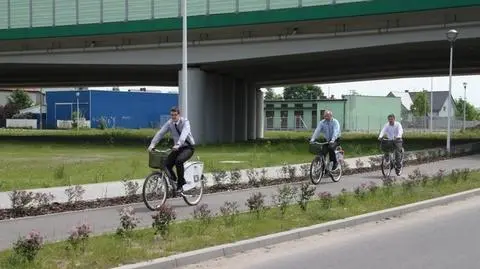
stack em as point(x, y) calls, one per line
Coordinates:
point(438, 99)
point(405, 98)
point(34, 110)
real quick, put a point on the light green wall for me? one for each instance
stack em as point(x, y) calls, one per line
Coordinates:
point(369, 113)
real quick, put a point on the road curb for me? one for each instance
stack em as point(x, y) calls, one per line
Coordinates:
point(201, 255)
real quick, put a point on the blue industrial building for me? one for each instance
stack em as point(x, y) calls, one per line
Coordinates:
point(117, 109)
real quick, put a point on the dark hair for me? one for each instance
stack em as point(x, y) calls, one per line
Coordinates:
point(175, 109)
point(391, 115)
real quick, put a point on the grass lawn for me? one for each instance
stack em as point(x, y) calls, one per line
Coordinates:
point(40, 159)
point(111, 250)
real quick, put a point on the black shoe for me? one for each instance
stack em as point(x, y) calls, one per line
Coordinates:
point(335, 166)
point(397, 171)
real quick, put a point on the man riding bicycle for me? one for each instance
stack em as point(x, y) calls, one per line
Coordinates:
point(394, 131)
point(330, 128)
point(183, 148)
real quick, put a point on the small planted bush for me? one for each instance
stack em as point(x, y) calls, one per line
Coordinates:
point(74, 193)
point(229, 212)
point(79, 236)
point(284, 197)
point(162, 219)
point(128, 221)
point(27, 248)
point(306, 194)
point(256, 204)
point(326, 199)
point(342, 197)
point(203, 214)
point(235, 177)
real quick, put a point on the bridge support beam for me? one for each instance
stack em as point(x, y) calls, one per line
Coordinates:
point(222, 109)
point(260, 114)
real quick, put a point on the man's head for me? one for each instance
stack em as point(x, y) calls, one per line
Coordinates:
point(391, 119)
point(175, 113)
point(327, 115)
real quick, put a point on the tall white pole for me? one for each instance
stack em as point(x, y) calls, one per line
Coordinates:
point(464, 104)
point(431, 104)
point(449, 105)
point(184, 94)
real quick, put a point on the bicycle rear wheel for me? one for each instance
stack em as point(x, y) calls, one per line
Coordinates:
point(336, 174)
point(193, 196)
point(155, 190)
point(317, 170)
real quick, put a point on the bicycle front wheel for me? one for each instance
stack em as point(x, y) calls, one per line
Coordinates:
point(155, 190)
point(386, 167)
point(317, 170)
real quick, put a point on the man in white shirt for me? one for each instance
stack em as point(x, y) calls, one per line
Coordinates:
point(394, 132)
point(183, 148)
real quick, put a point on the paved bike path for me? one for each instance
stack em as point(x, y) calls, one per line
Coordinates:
point(56, 227)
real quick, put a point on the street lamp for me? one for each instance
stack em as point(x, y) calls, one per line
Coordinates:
point(78, 110)
point(464, 103)
point(451, 37)
point(184, 92)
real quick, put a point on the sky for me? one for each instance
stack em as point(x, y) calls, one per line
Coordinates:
point(383, 87)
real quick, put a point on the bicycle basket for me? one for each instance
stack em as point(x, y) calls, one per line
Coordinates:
point(315, 149)
point(156, 159)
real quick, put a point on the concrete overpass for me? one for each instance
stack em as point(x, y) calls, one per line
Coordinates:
point(230, 63)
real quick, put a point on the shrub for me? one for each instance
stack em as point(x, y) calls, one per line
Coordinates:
point(235, 176)
point(79, 236)
point(20, 200)
point(229, 212)
point(203, 214)
point(326, 199)
point(162, 220)
point(256, 203)
point(306, 193)
point(252, 177)
point(285, 195)
point(74, 193)
point(128, 221)
point(27, 247)
point(342, 197)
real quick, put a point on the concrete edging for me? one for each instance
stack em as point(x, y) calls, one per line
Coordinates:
point(201, 255)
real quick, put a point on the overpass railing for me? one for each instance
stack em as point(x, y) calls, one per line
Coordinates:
point(45, 13)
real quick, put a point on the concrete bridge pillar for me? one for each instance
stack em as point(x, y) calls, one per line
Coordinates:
point(221, 109)
point(260, 114)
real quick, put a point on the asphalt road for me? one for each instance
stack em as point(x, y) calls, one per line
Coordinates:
point(56, 227)
point(442, 237)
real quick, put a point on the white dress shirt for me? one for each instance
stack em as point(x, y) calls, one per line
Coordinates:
point(392, 131)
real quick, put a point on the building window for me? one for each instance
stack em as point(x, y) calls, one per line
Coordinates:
point(284, 106)
point(298, 119)
point(269, 115)
point(298, 105)
point(322, 112)
point(284, 119)
point(269, 106)
point(314, 106)
point(314, 119)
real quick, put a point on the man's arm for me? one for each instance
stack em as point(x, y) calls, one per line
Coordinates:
point(400, 130)
point(382, 132)
point(336, 130)
point(158, 136)
point(184, 134)
point(317, 131)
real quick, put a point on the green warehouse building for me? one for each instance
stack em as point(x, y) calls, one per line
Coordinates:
point(356, 113)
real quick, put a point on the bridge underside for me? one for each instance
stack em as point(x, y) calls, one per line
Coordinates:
point(224, 101)
point(404, 60)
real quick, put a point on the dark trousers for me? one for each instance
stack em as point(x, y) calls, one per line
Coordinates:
point(177, 158)
point(331, 150)
point(397, 146)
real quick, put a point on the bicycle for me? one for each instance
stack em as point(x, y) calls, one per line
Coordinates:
point(319, 167)
point(388, 158)
point(162, 181)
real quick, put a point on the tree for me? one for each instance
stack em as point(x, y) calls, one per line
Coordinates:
point(20, 99)
point(471, 112)
point(271, 95)
point(305, 91)
point(420, 106)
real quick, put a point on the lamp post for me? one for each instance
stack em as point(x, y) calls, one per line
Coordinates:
point(431, 104)
point(464, 103)
point(184, 90)
point(451, 37)
point(78, 110)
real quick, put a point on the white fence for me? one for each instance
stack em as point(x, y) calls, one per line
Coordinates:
point(437, 124)
point(67, 124)
point(22, 123)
